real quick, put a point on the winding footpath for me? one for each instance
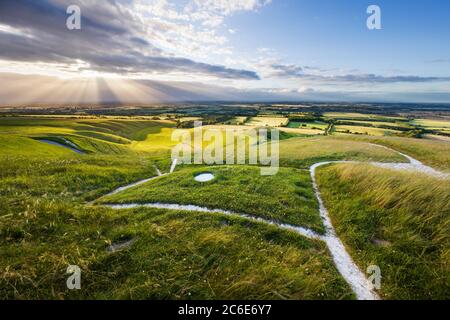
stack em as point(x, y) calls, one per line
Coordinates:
point(357, 280)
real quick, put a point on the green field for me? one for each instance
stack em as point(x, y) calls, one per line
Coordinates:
point(318, 125)
point(54, 213)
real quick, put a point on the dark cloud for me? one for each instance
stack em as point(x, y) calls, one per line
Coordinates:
point(111, 40)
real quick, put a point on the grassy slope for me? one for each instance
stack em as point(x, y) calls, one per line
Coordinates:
point(176, 256)
point(287, 197)
point(95, 135)
point(45, 226)
point(303, 152)
point(431, 152)
point(410, 212)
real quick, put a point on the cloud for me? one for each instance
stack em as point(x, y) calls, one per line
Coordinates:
point(279, 70)
point(213, 12)
point(51, 90)
point(372, 78)
point(438, 61)
point(113, 40)
point(283, 70)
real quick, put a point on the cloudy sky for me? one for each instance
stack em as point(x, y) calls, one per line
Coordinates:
point(147, 51)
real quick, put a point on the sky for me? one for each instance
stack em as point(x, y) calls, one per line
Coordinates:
point(150, 51)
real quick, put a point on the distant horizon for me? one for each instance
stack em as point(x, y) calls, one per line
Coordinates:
point(156, 51)
point(229, 103)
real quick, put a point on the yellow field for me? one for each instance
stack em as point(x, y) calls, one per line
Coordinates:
point(237, 121)
point(267, 122)
point(306, 131)
point(432, 124)
point(436, 137)
point(364, 130)
point(351, 115)
point(380, 123)
point(188, 119)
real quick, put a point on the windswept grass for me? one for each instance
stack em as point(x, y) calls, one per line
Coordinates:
point(398, 221)
point(46, 225)
point(434, 153)
point(303, 152)
point(174, 256)
point(286, 197)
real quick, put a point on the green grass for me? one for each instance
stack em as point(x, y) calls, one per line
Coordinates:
point(286, 197)
point(308, 125)
point(113, 136)
point(303, 152)
point(176, 256)
point(408, 214)
point(431, 152)
point(46, 225)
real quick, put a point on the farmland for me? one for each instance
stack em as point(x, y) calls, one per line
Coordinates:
point(55, 208)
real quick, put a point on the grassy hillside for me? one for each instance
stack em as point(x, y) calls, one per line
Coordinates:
point(398, 221)
point(286, 197)
point(108, 136)
point(303, 152)
point(431, 152)
point(46, 225)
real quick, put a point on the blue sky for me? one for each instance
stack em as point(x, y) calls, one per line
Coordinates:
point(333, 34)
point(227, 49)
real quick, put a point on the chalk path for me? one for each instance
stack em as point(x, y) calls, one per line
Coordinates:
point(69, 145)
point(357, 280)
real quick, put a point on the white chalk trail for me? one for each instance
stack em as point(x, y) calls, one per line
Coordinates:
point(344, 263)
point(412, 165)
point(158, 172)
point(137, 183)
point(69, 145)
point(302, 231)
point(342, 259)
point(134, 184)
point(173, 166)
